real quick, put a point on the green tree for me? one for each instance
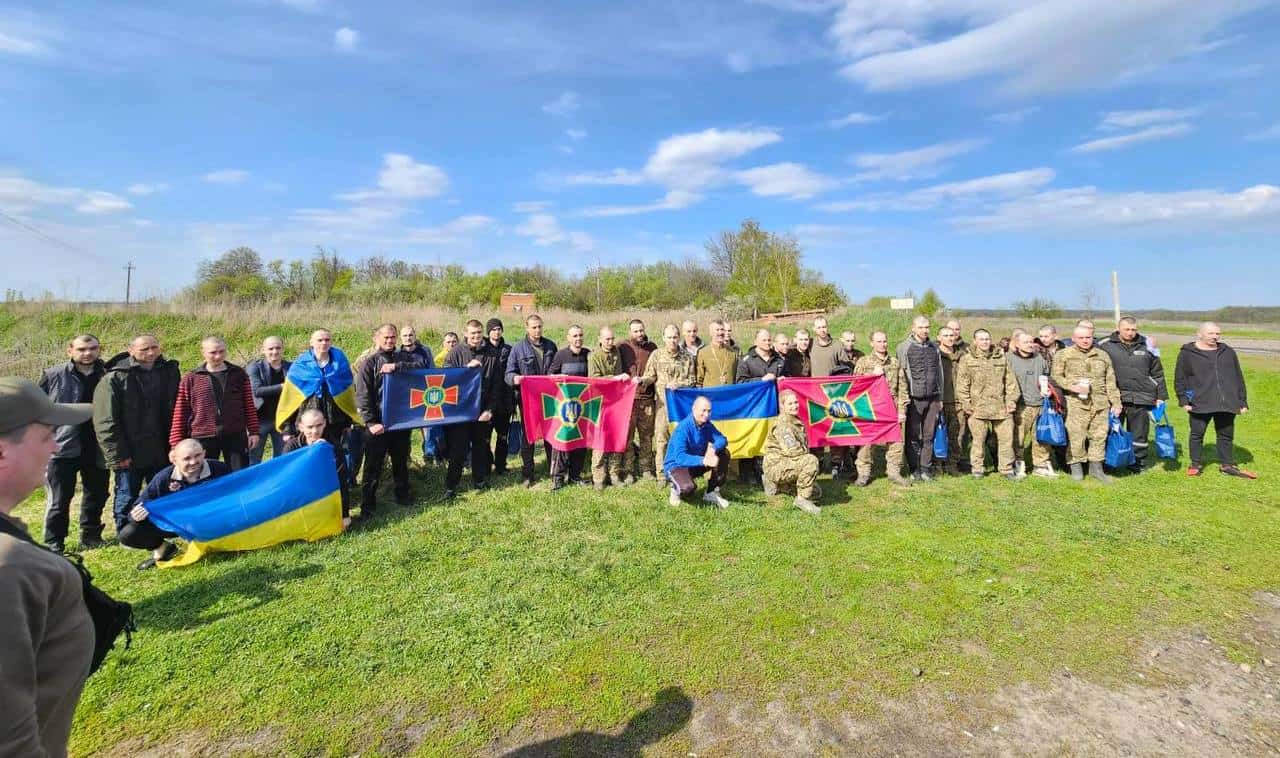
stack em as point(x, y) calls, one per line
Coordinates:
point(930, 304)
point(1038, 308)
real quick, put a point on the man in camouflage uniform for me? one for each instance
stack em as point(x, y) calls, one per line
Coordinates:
point(607, 363)
point(635, 357)
point(948, 345)
point(988, 393)
point(672, 367)
point(1085, 373)
point(787, 458)
point(881, 362)
point(717, 363)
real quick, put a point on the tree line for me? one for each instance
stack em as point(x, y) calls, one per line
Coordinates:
point(746, 271)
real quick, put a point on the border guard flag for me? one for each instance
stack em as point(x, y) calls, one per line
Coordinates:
point(742, 412)
point(293, 497)
point(845, 410)
point(572, 413)
point(413, 398)
point(307, 378)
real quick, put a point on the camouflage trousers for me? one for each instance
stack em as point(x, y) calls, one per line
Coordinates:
point(801, 470)
point(1024, 435)
point(957, 431)
point(636, 460)
point(979, 428)
point(606, 465)
point(892, 459)
point(1086, 427)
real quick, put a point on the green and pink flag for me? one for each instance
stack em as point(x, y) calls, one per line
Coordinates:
point(571, 412)
point(840, 411)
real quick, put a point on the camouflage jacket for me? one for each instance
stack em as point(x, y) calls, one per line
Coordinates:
point(1071, 364)
point(892, 373)
point(787, 439)
point(985, 385)
point(666, 370)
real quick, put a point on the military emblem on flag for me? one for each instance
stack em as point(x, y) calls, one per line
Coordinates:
point(420, 397)
point(434, 397)
point(570, 413)
point(856, 410)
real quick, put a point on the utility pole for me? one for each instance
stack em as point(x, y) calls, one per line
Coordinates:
point(1115, 295)
point(128, 281)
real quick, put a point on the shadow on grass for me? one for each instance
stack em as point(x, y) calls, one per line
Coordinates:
point(189, 606)
point(670, 712)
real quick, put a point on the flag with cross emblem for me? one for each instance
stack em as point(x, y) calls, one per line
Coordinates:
point(413, 398)
point(571, 413)
point(845, 410)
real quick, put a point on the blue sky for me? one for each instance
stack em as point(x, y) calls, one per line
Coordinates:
point(995, 150)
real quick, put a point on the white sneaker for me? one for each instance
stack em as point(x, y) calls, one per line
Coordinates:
point(674, 497)
point(713, 497)
point(1020, 469)
point(1046, 472)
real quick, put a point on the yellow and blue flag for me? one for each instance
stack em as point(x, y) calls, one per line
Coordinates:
point(293, 497)
point(742, 412)
point(420, 397)
point(306, 377)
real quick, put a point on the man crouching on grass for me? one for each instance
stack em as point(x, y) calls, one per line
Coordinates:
point(697, 447)
point(188, 469)
point(311, 429)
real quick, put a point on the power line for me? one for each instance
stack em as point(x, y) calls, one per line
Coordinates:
point(47, 238)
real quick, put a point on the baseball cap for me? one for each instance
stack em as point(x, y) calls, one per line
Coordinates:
point(22, 403)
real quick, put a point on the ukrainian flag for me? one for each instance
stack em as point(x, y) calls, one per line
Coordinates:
point(293, 497)
point(742, 412)
point(307, 378)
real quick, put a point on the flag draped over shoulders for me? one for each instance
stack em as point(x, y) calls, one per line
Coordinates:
point(413, 398)
point(742, 412)
point(846, 410)
point(292, 497)
point(307, 377)
point(572, 413)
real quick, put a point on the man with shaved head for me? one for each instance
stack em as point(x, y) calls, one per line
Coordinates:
point(215, 407)
point(132, 414)
point(1085, 372)
point(1210, 387)
point(266, 376)
point(924, 379)
point(607, 363)
point(1140, 377)
point(690, 342)
point(697, 448)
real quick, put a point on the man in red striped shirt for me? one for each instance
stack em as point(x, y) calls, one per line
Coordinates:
point(215, 407)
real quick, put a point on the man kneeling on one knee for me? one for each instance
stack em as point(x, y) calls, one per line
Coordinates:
point(188, 469)
point(787, 459)
point(697, 447)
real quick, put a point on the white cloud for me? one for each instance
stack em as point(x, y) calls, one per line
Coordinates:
point(22, 34)
point(530, 206)
point(856, 118)
point(1270, 133)
point(21, 195)
point(791, 180)
point(672, 201)
point(1027, 46)
point(565, 105)
point(147, 189)
point(545, 230)
point(920, 163)
point(1086, 209)
point(226, 176)
point(617, 177)
point(346, 39)
point(575, 134)
point(403, 178)
point(1002, 185)
point(1125, 140)
point(1133, 119)
point(1014, 117)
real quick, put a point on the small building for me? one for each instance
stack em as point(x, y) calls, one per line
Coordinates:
point(522, 303)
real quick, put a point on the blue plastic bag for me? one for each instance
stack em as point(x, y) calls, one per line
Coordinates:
point(435, 445)
point(1119, 446)
point(1166, 440)
point(515, 437)
point(941, 441)
point(1050, 428)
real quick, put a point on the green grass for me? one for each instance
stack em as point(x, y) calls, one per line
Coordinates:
point(570, 611)
point(527, 611)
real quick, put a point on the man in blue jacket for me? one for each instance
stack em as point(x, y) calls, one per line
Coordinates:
point(530, 356)
point(697, 447)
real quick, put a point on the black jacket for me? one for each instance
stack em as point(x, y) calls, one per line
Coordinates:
point(507, 402)
point(64, 384)
point(567, 362)
point(492, 388)
point(752, 367)
point(369, 381)
point(132, 424)
point(1210, 381)
point(1139, 372)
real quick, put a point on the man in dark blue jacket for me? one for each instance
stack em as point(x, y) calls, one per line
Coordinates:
point(697, 447)
point(266, 377)
point(379, 444)
point(474, 352)
point(530, 356)
point(74, 382)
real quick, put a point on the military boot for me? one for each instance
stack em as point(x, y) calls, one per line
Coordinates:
point(770, 487)
point(1095, 470)
point(1077, 472)
point(899, 479)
